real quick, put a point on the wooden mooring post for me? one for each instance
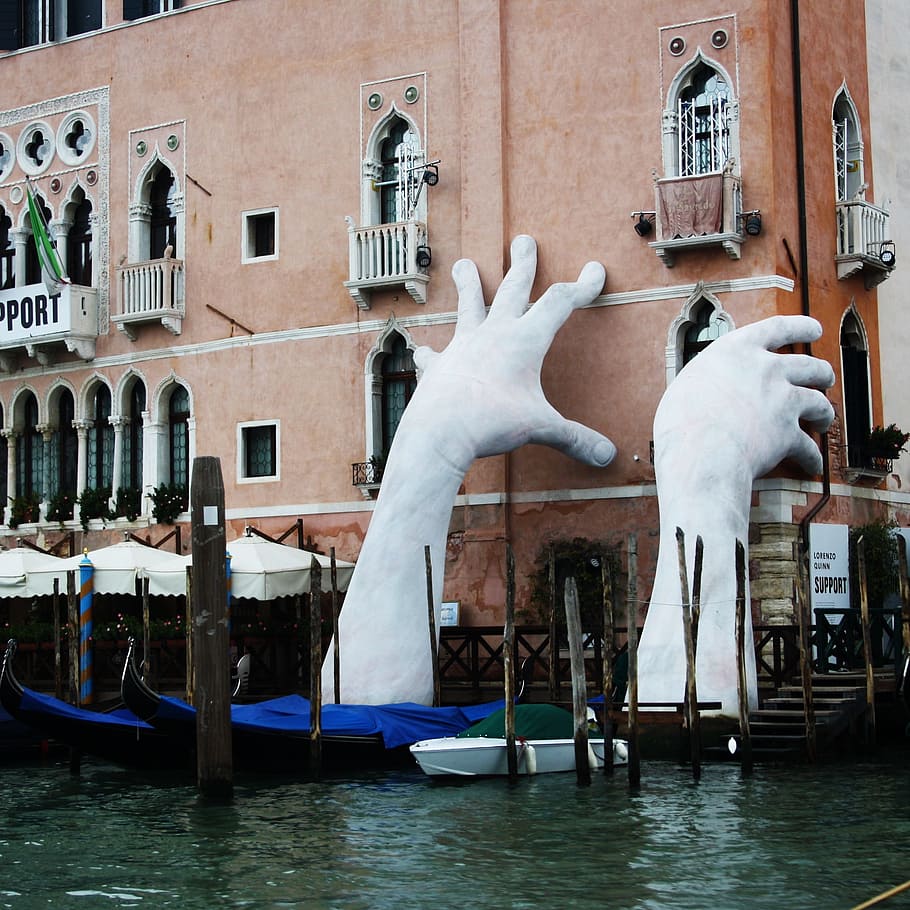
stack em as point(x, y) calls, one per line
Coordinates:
point(146, 636)
point(634, 770)
point(579, 687)
point(58, 656)
point(742, 646)
point(905, 615)
point(336, 645)
point(553, 664)
point(867, 640)
point(431, 621)
point(315, 668)
point(606, 579)
point(690, 631)
point(803, 622)
point(214, 759)
point(508, 666)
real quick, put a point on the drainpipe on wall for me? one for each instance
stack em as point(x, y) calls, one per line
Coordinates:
point(804, 251)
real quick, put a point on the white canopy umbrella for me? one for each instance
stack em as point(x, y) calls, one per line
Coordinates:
point(117, 567)
point(260, 570)
point(16, 568)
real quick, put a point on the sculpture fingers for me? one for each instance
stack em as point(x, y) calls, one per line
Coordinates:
point(576, 440)
point(471, 308)
point(805, 452)
point(803, 370)
point(548, 314)
point(814, 409)
point(424, 357)
point(512, 298)
point(779, 331)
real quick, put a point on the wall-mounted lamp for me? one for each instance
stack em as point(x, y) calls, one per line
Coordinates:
point(751, 222)
point(424, 257)
point(645, 223)
point(886, 254)
point(431, 175)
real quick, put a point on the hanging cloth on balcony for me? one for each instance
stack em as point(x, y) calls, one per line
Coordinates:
point(691, 206)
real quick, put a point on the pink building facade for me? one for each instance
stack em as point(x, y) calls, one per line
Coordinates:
point(259, 204)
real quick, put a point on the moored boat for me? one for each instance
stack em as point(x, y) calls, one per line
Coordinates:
point(544, 744)
point(117, 736)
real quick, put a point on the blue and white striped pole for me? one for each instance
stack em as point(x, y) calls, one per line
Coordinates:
point(86, 674)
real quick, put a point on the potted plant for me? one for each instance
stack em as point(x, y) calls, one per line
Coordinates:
point(23, 509)
point(887, 442)
point(60, 506)
point(128, 503)
point(168, 501)
point(94, 504)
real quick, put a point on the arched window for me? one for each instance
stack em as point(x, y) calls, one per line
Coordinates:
point(163, 222)
point(179, 436)
point(7, 253)
point(396, 157)
point(703, 110)
point(29, 451)
point(848, 148)
point(855, 371)
point(79, 245)
point(399, 380)
point(707, 327)
point(131, 470)
point(100, 473)
point(64, 448)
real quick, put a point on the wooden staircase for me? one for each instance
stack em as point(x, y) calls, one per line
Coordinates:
point(778, 729)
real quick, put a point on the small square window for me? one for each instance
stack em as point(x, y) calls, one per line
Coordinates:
point(257, 451)
point(260, 235)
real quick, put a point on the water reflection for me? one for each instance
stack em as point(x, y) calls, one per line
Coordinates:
point(777, 839)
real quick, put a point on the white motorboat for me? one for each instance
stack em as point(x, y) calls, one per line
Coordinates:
point(480, 752)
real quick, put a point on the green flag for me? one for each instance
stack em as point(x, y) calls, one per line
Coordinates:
point(52, 271)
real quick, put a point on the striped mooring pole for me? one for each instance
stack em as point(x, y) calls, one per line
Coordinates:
point(86, 586)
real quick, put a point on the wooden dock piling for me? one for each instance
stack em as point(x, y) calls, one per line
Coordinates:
point(867, 640)
point(214, 759)
point(741, 657)
point(606, 579)
point(508, 662)
point(315, 668)
point(336, 645)
point(690, 621)
point(579, 688)
point(632, 613)
point(431, 620)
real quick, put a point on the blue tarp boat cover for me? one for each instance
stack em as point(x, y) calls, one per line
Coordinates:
point(399, 724)
point(37, 703)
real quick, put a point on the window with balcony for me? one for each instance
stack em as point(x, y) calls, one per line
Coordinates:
point(150, 285)
point(697, 201)
point(257, 451)
point(391, 248)
point(863, 237)
point(391, 380)
point(79, 243)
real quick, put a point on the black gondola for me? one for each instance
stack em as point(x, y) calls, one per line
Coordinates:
point(275, 734)
point(116, 736)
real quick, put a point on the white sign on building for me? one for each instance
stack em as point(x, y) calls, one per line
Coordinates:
point(829, 567)
point(33, 312)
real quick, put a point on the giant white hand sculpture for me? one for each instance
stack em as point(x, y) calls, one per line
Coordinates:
point(731, 415)
point(480, 396)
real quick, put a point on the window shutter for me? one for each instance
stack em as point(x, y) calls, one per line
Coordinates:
point(9, 26)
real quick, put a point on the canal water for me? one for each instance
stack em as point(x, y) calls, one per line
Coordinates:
point(825, 837)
